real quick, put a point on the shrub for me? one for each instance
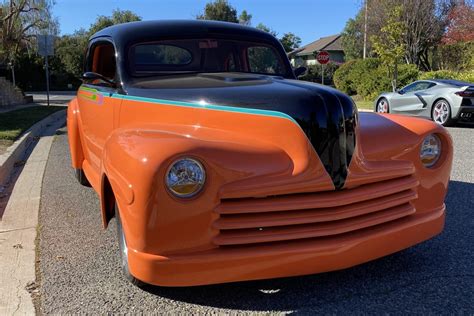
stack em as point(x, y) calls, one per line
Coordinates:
point(456, 57)
point(314, 73)
point(368, 78)
point(467, 76)
point(341, 77)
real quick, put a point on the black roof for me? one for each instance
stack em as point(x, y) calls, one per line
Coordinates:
point(452, 82)
point(124, 33)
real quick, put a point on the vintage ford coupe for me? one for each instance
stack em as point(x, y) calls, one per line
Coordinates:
point(220, 166)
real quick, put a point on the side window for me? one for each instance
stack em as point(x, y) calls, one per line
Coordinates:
point(101, 60)
point(263, 59)
point(410, 87)
point(425, 85)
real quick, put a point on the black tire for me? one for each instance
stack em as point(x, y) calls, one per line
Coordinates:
point(81, 178)
point(124, 252)
point(380, 104)
point(444, 119)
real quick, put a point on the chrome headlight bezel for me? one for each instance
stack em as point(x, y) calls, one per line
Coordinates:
point(430, 150)
point(195, 175)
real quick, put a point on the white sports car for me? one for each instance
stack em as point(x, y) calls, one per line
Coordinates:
point(444, 101)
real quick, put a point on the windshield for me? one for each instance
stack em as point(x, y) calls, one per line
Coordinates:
point(204, 55)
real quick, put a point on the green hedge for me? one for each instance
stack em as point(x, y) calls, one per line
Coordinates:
point(368, 78)
point(313, 73)
point(467, 76)
point(455, 57)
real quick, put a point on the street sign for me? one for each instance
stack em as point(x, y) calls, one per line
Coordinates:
point(322, 57)
point(45, 45)
point(45, 49)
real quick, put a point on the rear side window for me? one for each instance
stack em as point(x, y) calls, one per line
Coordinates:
point(263, 59)
point(160, 54)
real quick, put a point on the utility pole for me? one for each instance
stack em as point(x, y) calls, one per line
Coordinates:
point(365, 31)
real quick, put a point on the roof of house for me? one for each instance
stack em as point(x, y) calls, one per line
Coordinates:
point(332, 42)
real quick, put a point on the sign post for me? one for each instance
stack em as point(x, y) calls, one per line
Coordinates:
point(323, 58)
point(45, 49)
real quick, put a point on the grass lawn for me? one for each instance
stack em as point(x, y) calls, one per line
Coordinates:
point(16, 122)
point(365, 105)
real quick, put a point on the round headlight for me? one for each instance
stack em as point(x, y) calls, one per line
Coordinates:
point(185, 177)
point(430, 150)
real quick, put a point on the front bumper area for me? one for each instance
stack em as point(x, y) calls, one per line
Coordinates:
point(284, 259)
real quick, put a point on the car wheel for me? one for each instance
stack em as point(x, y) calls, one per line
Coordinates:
point(124, 252)
point(81, 178)
point(441, 112)
point(382, 106)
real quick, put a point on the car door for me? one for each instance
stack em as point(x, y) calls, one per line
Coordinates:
point(409, 99)
point(97, 106)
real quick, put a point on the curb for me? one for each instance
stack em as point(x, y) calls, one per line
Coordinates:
point(18, 230)
point(17, 150)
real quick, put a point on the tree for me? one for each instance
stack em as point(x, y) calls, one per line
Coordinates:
point(290, 41)
point(118, 17)
point(219, 10)
point(263, 27)
point(352, 39)
point(424, 22)
point(389, 45)
point(245, 18)
point(70, 49)
point(21, 21)
point(460, 27)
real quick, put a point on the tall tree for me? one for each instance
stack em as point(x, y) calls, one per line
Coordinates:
point(70, 49)
point(21, 21)
point(263, 27)
point(389, 45)
point(424, 21)
point(353, 38)
point(290, 41)
point(460, 26)
point(118, 16)
point(245, 18)
point(219, 10)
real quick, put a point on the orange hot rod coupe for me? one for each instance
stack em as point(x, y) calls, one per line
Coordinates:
point(220, 166)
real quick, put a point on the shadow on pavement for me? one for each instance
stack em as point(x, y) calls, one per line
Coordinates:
point(433, 276)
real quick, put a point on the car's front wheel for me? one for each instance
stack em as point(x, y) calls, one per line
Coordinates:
point(382, 106)
point(124, 252)
point(441, 112)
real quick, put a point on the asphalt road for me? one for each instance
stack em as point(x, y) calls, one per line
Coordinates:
point(79, 262)
point(55, 97)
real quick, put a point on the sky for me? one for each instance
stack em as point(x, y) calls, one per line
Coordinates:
point(309, 19)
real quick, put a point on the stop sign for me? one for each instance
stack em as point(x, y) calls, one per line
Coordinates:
point(322, 57)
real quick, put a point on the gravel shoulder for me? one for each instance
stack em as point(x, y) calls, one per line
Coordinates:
point(79, 263)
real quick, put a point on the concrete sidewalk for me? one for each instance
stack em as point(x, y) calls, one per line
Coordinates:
point(18, 229)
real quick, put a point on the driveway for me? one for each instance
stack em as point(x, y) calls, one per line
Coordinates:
point(80, 272)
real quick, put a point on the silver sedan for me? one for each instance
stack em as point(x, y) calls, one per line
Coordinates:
point(443, 101)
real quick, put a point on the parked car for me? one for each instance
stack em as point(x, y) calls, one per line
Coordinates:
point(220, 166)
point(444, 101)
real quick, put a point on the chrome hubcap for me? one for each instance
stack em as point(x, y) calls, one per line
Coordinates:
point(441, 112)
point(382, 106)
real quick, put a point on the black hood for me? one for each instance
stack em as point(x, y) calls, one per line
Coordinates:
point(327, 116)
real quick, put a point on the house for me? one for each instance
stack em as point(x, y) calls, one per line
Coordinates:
point(306, 55)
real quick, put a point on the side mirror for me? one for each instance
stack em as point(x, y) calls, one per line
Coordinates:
point(300, 71)
point(89, 77)
point(399, 91)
